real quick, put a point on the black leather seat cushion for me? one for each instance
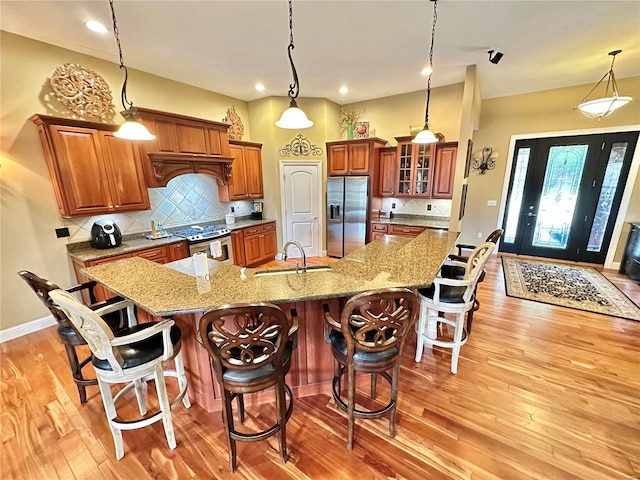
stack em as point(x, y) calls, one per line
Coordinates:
point(140, 352)
point(457, 273)
point(339, 343)
point(448, 294)
point(249, 375)
point(68, 334)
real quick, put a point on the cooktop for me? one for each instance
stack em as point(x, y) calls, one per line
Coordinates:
point(196, 233)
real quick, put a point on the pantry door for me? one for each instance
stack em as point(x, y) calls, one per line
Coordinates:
point(564, 195)
point(301, 206)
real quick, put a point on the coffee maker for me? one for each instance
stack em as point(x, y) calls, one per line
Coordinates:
point(256, 213)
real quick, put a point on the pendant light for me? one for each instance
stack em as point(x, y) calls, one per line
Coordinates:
point(604, 106)
point(293, 117)
point(426, 135)
point(130, 129)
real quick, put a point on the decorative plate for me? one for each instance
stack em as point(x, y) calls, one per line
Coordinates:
point(236, 130)
point(361, 130)
point(81, 90)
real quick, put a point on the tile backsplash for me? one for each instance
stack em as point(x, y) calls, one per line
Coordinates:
point(187, 199)
point(412, 206)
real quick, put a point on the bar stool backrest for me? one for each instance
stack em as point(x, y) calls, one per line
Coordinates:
point(378, 320)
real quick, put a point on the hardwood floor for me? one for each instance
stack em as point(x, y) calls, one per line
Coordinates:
point(542, 392)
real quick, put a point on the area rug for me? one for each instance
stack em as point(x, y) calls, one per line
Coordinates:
point(582, 288)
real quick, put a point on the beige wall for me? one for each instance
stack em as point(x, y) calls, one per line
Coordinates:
point(28, 210)
point(536, 113)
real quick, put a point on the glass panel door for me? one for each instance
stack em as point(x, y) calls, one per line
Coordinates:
point(564, 195)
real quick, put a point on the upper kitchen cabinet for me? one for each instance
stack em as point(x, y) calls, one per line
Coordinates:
point(387, 170)
point(246, 172)
point(353, 157)
point(183, 145)
point(444, 170)
point(414, 168)
point(92, 171)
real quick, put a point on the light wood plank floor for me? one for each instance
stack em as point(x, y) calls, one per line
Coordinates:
point(542, 392)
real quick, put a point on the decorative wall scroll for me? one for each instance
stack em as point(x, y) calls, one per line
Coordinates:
point(81, 90)
point(236, 130)
point(300, 147)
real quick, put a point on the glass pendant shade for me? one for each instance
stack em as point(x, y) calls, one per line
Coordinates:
point(603, 107)
point(132, 130)
point(425, 136)
point(293, 118)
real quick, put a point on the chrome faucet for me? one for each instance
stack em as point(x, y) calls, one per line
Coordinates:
point(304, 258)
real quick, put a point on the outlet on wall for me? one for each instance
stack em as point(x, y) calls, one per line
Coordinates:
point(479, 234)
point(393, 205)
point(428, 206)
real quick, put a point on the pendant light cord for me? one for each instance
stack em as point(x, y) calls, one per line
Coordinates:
point(294, 88)
point(126, 103)
point(433, 36)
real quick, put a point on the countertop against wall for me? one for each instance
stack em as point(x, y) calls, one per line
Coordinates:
point(415, 221)
point(84, 252)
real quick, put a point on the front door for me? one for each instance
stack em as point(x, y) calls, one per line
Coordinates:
point(564, 195)
point(301, 204)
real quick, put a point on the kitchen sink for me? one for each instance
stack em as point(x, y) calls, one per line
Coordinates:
point(291, 270)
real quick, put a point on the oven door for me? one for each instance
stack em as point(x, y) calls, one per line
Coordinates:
point(210, 246)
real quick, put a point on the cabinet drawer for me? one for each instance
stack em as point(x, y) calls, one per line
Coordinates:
point(250, 231)
point(158, 254)
point(379, 227)
point(405, 230)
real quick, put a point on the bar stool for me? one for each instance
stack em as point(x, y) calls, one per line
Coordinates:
point(133, 358)
point(67, 333)
point(369, 339)
point(250, 346)
point(447, 295)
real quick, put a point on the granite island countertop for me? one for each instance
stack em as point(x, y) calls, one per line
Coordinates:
point(388, 262)
point(414, 221)
point(84, 252)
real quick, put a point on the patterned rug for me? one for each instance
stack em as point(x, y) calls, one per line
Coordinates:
point(582, 288)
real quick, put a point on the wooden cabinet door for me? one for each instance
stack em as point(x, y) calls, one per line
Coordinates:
point(237, 184)
point(423, 170)
point(83, 184)
point(191, 139)
point(444, 171)
point(126, 178)
point(270, 244)
point(388, 167)
point(253, 171)
point(358, 159)
point(237, 244)
point(338, 160)
point(252, 249)
point(178, 251)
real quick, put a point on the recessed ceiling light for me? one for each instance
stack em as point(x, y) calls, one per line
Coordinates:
point(260, 87)
point(343, 90)
point(428, 70)
point(96, 26)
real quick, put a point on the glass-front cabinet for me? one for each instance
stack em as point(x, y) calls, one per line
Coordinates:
point(415, 167)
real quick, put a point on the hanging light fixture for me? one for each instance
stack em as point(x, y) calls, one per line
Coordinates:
point(426, 135)
point(604, 106)
point(130, 129)
point(293, 117)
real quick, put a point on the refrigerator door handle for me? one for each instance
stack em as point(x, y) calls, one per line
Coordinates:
point(338, 211)
point(331, 211)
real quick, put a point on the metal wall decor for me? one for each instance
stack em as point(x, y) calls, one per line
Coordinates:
point(236, 130)
point(81, 90)
point(300, 147)
point(487, 160)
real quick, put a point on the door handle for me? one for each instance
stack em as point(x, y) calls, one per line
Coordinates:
point(331, 212)
point(337, 210)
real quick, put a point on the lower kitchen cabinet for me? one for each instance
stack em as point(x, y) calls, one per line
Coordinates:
point(163, 254)
point(380, 229)
point(254, 245)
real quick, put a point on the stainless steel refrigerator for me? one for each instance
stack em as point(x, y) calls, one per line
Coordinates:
point(347, 199)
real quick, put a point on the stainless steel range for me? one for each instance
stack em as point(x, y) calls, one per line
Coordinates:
point(214, 240)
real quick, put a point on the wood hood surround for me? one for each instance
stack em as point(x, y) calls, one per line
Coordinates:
point(183, 145)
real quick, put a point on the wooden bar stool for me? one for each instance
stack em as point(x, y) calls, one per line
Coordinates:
point(138, 355)
point(369, 339)
point(67, 333)
point(250, 346)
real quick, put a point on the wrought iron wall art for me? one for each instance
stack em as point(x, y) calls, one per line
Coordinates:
point(81, 90)
point(300, 147)
point(236, 130)
point(486, 161)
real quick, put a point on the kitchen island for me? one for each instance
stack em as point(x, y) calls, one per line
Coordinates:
point(164, 291)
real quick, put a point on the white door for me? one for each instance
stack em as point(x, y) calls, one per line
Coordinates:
point(301, 205)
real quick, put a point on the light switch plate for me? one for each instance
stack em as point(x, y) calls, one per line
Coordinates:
point(491, 203)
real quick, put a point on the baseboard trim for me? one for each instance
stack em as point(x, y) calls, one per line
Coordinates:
point(26, 328)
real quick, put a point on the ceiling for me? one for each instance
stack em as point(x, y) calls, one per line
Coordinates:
point(375, 48)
